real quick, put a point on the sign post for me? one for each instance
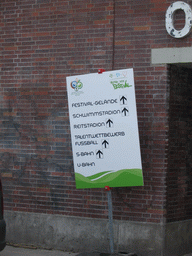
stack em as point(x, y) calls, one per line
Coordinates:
point(110, 215)
point(104, 133)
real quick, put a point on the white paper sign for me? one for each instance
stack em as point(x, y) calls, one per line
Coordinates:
point(104, 129)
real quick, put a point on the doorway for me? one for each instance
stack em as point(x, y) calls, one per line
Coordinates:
point(179, 176)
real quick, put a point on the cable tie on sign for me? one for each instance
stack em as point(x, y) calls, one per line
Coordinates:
point(101, 70)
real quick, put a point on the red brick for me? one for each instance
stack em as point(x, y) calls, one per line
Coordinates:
point(59, 39)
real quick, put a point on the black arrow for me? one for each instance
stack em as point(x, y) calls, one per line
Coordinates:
point(105, 143)
point(124, 111)
point(123, 99)
point(109, 122)
point(100, 153)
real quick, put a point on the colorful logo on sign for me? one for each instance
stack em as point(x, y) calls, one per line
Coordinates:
point(76, 85)
point(118, 80)
point(118, 75)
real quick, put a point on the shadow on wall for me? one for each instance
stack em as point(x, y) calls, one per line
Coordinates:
point(35, 156)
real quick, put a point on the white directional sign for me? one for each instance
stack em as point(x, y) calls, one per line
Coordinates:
point(104, 130)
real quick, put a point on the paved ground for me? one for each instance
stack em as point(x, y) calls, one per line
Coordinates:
point(18, 251)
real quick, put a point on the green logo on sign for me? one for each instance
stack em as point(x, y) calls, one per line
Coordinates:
point(120, 84)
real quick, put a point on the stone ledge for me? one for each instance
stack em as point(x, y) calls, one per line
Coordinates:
point(106, 254)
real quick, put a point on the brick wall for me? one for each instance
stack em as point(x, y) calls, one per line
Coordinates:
point(42, 42)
